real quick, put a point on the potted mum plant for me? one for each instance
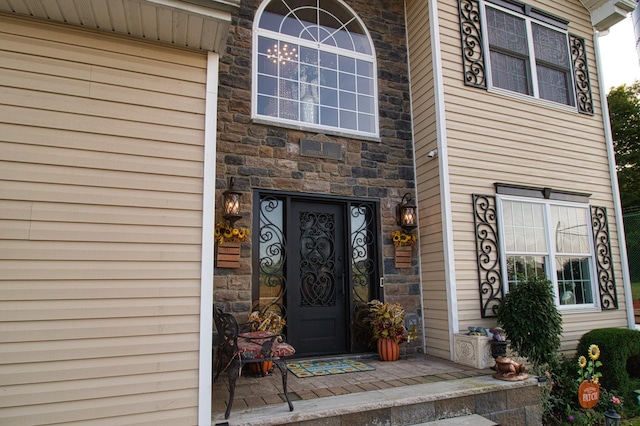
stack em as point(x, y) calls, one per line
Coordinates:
point(268, 321)
point(387, 325)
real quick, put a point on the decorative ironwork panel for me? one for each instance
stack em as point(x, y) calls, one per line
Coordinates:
point(581, 74)
point(362, 252)
point(471, 37)
point(604, 261)
point(485, 220)
point(363, 271)
point(273, 255)
point(318, 266)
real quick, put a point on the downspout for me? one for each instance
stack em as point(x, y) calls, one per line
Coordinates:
point(445, 186)
point(617, 206)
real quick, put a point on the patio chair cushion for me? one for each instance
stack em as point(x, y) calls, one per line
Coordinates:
point(250, 345)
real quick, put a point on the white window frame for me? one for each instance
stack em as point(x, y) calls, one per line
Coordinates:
point(550, 254)
point(535, 97)
point(299, 124)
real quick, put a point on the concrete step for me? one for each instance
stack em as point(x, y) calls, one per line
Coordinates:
point(472, 420)
point(501, 401)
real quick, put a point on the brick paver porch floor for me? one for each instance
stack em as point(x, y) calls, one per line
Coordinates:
point(408, 370)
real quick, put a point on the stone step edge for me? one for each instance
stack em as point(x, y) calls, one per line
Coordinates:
point(336, 406)
point(470, 420)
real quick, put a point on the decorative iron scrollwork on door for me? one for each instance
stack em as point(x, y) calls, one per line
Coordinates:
point(273, 254)
point(318, 264)
point(363, 271)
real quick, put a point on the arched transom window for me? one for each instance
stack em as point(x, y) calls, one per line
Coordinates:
point(314, 67)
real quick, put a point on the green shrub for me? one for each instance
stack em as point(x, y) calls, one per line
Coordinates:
point(635, 291)
point(529, 316)
point(620, 356)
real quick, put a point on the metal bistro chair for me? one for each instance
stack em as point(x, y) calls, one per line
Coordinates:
point(237, 349)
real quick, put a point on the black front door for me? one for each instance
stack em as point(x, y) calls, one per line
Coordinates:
point(317, 263)
point(316, 295)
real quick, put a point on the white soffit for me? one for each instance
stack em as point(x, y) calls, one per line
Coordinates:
point(606, 13)
point(196, 24)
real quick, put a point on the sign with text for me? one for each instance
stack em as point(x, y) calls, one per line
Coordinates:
point(588, 394)
point(320, 149)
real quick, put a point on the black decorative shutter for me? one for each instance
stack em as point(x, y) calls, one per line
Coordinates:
point(604, 262)
point(485, 219)
point(581, 74)
point(471, 36)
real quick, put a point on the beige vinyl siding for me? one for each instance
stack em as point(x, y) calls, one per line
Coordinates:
point(101, 166)
point(498, 138)
point(434, 293)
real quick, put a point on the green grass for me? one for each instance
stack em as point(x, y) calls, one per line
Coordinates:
point(635, 291)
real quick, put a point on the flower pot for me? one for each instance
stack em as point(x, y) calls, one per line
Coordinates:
point(228, 255)
point(261, 368)
point(403, 257)
point(498, 348)
point(388, 349)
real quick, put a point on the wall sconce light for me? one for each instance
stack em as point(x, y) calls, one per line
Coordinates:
point(231, 202)
point(611, 418)
point(406, 213)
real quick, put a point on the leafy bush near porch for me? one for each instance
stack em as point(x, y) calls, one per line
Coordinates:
point(620, 350)
point(529, 316)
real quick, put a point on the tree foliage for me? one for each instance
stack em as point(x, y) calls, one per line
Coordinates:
point(624, 113)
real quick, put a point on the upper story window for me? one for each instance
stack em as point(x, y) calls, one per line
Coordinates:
point(314, 68)
point(512, 47)
point(551, 239)
point(528, 56)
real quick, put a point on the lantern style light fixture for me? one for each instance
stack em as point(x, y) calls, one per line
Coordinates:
point(406, 216)
point(231, 203)
point(611, 418)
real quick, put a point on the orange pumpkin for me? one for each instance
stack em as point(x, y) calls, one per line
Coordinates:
point(588, 394)
point(388, 349)
point(261, 368)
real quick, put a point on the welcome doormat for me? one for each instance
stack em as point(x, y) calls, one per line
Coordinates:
point(327, 367)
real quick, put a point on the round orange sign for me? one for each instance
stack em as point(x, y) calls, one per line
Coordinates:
point(588, 394)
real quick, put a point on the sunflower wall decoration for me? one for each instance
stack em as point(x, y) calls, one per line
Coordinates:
point(404, 243)
point(403, 239)
point(229, 239)
point(224, 232)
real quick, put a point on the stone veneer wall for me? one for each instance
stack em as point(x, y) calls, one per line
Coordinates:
point(267, 156)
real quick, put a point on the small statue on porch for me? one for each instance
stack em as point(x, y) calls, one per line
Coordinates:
point(510, 370)
point(477, 331)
